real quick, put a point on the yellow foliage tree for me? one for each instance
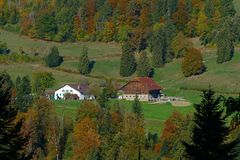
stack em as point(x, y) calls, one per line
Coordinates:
point(202, 23)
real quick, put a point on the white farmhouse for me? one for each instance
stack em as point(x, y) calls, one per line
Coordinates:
point(76, 91)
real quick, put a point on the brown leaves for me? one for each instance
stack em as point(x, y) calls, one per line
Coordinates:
point(86, 138)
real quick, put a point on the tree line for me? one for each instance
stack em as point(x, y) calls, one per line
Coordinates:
point(153, 23)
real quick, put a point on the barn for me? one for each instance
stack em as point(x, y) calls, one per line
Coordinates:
point(144, 87)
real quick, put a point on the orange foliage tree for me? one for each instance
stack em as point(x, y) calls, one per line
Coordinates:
point(86, 139)
point(181, 17)
point(171, 126)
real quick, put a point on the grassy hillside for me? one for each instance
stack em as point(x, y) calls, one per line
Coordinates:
point(107, 61)
point(224, 78)
point(237, 5)
point(73, 50)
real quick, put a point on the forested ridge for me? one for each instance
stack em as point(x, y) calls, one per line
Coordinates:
point(112, 20)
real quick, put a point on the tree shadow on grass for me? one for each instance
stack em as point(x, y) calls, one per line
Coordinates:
point(91, 64)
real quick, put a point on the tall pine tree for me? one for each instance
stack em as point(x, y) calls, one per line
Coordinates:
point(24, 97)
point(225, 41)
point(128, 61)
point(136, 107)
point(11, 140)
point(158, 48)
point(210, 132)
point(143, 67)
point(227, 8)
point(84, 63)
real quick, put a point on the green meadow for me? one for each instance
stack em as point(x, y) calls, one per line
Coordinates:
point(224, 78)
point(155, 114)
point(237, 5)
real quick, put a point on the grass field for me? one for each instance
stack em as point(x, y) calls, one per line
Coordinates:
point(237, 5)
point(154, 114)
point(224, 78)
point(96, 50)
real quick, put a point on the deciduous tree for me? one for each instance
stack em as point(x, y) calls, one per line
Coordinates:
point(192, 63)
point(42, 81)
point(86, 139)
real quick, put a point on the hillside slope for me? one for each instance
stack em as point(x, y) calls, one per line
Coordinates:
point(237, 5)
point(225, 78)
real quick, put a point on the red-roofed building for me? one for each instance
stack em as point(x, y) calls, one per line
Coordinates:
point(144, 87)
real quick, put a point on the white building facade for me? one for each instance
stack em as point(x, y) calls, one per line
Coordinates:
point(75, 90)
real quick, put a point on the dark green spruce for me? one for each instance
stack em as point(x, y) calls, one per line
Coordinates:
point(53, 59)
point(210, 135)
point(84, 63)
point(128, 61)
point(24, 90)
point(11, 140)
point(136, 107)
point(144, 68)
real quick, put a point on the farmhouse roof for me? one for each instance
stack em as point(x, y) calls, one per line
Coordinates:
point(140, 85)
point(148, 82)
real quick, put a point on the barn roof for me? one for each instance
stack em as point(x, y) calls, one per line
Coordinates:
point(148, 82)
point(147, 85)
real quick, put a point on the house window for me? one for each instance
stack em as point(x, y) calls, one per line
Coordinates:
point(67, 91)
point(63, 90)
point(71, 90)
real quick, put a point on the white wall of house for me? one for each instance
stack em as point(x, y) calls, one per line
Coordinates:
point(131, 97)
point(67, 89)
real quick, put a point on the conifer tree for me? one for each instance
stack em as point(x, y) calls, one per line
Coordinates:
point(227, 8)
point(11, 139)
point(233, 110)
point(143, 67)
point(210, 131)
point(103, 98)
point(224, 40)
point(209, 8)
point(128, 61)
point(84, 63)
point(23, 98)
point(136, 107)
point(53, 59)
point(170, 33)
point(158, 48)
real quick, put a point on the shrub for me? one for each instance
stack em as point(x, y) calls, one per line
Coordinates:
point(53, 59)
point(193, 63)
point(17, 58)
point(3, 48)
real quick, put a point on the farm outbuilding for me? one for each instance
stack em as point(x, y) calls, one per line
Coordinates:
point(144, 87)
